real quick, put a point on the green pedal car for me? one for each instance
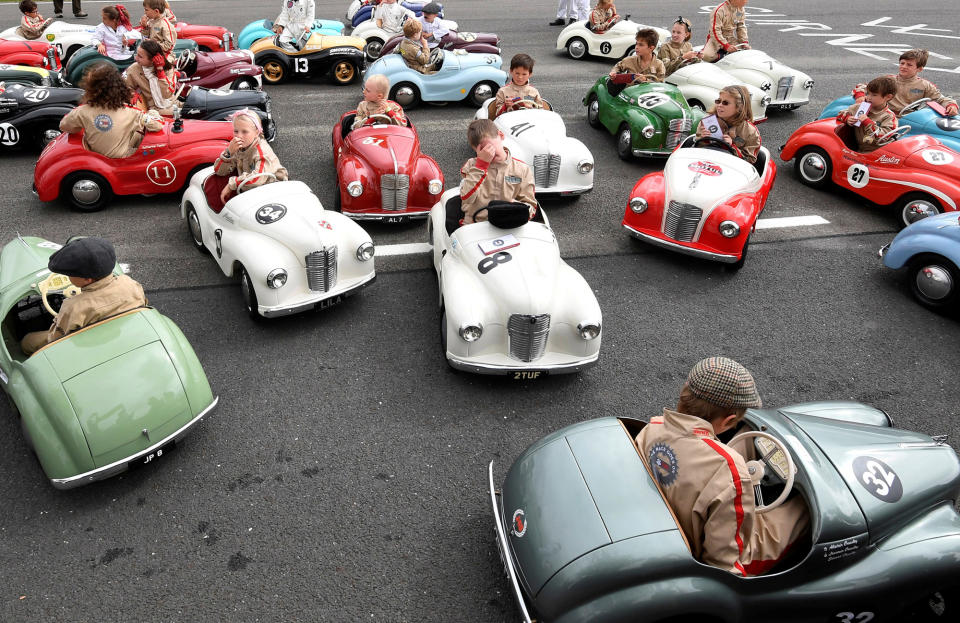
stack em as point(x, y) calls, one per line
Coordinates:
point(115, 395)
point(648, 119)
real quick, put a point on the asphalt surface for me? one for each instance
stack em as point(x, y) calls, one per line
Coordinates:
point(343, 475)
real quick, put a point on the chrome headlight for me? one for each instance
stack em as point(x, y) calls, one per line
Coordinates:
point(365, 251)
point(355, 189)
point(435, 187)
point(470, 332)
point(277, 278)
point(648, 131)
point(729, 229)
point(588, 331)
point(765, 101)
point(808, 84)
point(584, 166)
point(638, 205)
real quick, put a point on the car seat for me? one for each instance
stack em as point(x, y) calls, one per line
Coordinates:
point(212, 187)
point(346, 126)
point(454, 209)
point(761, 162)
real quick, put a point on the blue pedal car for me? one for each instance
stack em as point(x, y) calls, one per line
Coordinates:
point(459, 75)
point(254, 31)
point(921, 118)
point(930, 249)
point(360, 11)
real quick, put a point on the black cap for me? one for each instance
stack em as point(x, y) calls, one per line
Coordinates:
point(89, 258)
point(431, 7)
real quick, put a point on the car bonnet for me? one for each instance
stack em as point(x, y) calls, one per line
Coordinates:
point(578, 490)
point(706, 177)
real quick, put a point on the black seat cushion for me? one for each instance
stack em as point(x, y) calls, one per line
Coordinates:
point(346, 125)
point(454, 213)
point(507, 214)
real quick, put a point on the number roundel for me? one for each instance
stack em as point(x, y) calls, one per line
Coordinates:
point(9, 135)
point(161, 172)
point(489, 263)
point(605, 47)
point(878, 478)
point(858, 176)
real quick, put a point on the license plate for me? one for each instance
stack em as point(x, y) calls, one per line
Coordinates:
point(152, 457)
point(526, 375)
point(330, 302)
point(395, 219)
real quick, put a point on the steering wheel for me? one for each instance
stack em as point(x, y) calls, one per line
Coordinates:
point(183, 59)
point(774, 455)
point(379, 118)
point(711, 142)
point(917, 105)
point(893, 135)
point(436, 58)
point(249, 180)
point(58, 284)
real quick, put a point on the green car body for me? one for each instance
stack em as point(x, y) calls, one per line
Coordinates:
point(585, 535)
point(109, 397)
point(87, 56)
point(648, 119)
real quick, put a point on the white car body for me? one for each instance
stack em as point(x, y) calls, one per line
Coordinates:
point(376, 36)
point(527, 300)
point(539, 138)
point(247, 235)
point(615, 43)
point(67, 38)
point(787, 88)
point(700, 84)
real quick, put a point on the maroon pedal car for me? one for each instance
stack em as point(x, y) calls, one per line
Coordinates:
point(31, 53)
point(163, 163)
point(208, 38)
point(381, 173)
point(479, 42)
point(219, 70)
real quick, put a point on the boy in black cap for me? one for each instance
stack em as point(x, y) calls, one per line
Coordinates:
point(707, 483)
point(89, 263)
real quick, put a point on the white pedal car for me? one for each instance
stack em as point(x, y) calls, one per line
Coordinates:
point(700, 84)
point(510, 304)
point(561, 164)
point(787, 88)
point(615, 43)
point(376, 37)
point(290, 253)
point(67, 38)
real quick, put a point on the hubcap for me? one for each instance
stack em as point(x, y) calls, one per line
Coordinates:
point(918, 210)
point(273, 71)
point(344, 72)
point(404, 96)
point(195, 229)
point(86, 191)
point(577, 49)
point(624, 144)
point(813, 167)
point(482, 92)
point(934, 282)
point(244, 86)
point(373, 49)
point(594, 111)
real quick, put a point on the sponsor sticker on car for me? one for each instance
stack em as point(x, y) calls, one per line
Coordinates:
point(706, 168)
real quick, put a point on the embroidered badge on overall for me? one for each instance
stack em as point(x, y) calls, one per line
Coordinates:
point(663, 460)
point(103, 123)
point(512, 179)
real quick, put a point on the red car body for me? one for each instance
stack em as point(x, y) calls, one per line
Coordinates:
point(698, 191)
point(163, 163)
point(32, 53)
point(910, 172)
point(395, 177)
point(208, 38)
point(215, 70)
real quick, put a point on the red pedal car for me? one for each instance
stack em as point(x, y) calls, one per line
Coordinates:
point(381, 173)
point(164, 163)
point(31, 53)
point(208, 38)
point(918, 176)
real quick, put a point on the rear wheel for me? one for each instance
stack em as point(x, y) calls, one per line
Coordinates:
point(244, 84)
point(934, 281)
point(941, 606)
point(193, 227)
point(624, 142)
point(593, 111)
point(405, 94)
point(274, 71)
point(813, 166)
point(86, 191)
point(344, 72)
point(372, 49)
point(481, 92)
point(914, 207)
point(249, 295)
point(577, 48)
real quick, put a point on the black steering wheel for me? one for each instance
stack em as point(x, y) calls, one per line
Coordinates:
point(711, 142)
point(436, 58)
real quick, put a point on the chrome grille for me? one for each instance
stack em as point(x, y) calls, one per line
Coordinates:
point(393, 191)
point(546, 169)
point(322, 269)
point(528, 336)
point(682, 221)
point(784, 87)
point(679, 129)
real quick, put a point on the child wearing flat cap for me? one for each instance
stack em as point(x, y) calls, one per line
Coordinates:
point(707, 483)
point(89, 263)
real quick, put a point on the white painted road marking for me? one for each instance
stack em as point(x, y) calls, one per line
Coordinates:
point(791, 221)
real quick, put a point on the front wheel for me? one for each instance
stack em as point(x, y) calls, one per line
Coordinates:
point(405, 94)
point(343, 73)
point(736, 266)
point(914, 207)
point(576, 48)
point(372, 49)
point(624, 142)
point(481, 92)
point(274, 71)
point(193, 227)
point(813, 166)
point(593, 111)
point(934, 281)
point(86, 191)
point(249, 295)
point(244, 84)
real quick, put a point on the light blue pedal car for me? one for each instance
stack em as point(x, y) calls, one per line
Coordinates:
point(930, 249)
point(254, 31)
point(921, 118)
point(459, 76)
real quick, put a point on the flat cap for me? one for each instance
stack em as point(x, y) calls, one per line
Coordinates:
point(90, 258)
point(431, 7)
point(723, 382)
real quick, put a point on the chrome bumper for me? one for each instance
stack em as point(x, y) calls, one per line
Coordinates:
point(366, 216)
point(679, 248)
point(504, 549)
point(121, 466)
point(327, 301)
point(485, 368)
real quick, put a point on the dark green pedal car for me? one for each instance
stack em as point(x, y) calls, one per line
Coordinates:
point(113, 396)
point(85, 58)
point(648, 119)
point(585, 534)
